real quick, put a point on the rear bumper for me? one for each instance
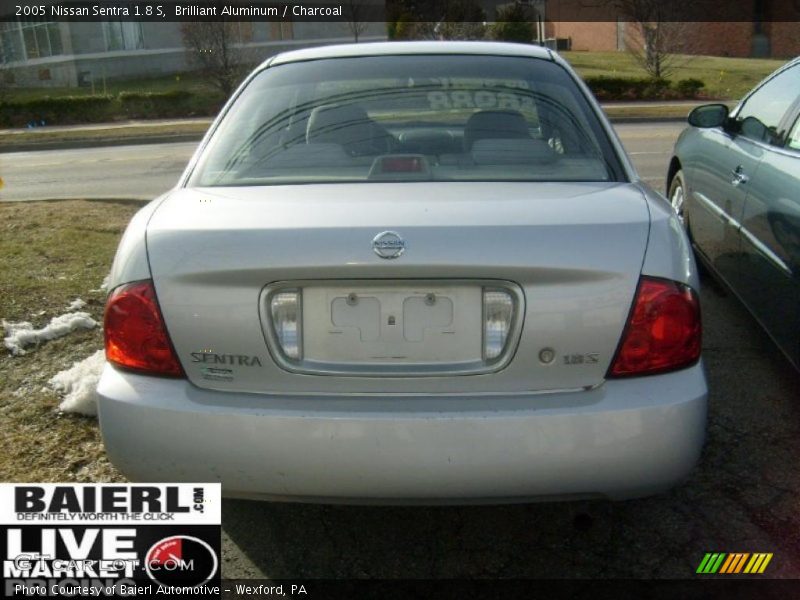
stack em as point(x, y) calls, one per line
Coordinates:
point(626, 438)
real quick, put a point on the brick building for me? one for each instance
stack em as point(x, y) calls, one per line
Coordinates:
point(762, 28)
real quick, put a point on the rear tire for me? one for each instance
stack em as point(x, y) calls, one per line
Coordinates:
point(677, 197)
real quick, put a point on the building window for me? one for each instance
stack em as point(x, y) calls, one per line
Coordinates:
point(123, 35)
point(10, 43)
point(23, 40)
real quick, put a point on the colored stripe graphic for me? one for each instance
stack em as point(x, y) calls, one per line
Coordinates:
point(734, 563)
point(764, 564)
point(727, 564)
point(741, 562)
point(711, 562)
point(715, 567)
point(703, 563)
point(758, 563)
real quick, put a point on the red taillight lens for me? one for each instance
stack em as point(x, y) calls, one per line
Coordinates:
point(663, 331)
point(135, 334)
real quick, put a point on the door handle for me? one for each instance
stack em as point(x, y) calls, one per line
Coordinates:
point(739, 176)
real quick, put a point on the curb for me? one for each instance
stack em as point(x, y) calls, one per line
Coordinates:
point(101, 142)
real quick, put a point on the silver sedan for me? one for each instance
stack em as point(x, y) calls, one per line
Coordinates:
point(407, 273)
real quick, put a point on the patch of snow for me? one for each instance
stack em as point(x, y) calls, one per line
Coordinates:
point(79, 385)
point(76, 304)
point(19, 335)
point(103, 286)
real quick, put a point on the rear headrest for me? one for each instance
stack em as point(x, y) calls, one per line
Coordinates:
point(494, 124)
point(338, 123)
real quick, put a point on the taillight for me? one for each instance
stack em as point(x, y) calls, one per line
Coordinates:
point(663, 330)
point(136, 337)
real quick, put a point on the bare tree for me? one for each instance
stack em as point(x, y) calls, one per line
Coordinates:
point(355, 12)
point(655, 36)
point(216, 48)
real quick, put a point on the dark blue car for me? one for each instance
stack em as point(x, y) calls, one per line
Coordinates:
point(735, 181)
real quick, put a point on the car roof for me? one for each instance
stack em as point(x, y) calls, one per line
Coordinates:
point(406, 48)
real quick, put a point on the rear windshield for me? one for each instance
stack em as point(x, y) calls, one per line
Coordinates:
point(409, 118)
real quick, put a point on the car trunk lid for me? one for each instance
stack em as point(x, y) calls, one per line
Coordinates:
point(570, 253)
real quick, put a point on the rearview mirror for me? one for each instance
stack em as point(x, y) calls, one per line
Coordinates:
point(709, 115)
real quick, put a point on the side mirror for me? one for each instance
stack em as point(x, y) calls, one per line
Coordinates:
point(709, 115)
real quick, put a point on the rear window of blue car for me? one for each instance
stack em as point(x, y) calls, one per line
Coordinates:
point(409, 118)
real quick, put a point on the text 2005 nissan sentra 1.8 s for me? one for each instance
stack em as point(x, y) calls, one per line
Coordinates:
point(407, 273)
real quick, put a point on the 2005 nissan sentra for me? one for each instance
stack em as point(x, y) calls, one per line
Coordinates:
point(407, 273)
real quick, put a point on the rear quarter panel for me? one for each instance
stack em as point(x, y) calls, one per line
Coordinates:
point(669, 253)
